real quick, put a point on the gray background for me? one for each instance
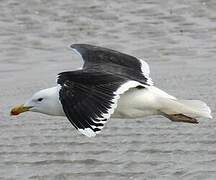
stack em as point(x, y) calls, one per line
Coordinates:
point(178, 40)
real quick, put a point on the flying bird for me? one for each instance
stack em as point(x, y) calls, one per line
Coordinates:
point(110, 84)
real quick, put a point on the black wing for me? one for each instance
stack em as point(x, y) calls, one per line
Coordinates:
point(107, 60)
point(89, 98)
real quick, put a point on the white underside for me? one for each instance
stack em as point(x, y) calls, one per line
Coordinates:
point(136, 103)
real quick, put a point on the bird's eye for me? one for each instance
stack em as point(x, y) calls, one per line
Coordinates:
point(39, 99)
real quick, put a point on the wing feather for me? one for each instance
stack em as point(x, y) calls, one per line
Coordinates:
point(90, 98)
point(106, 60)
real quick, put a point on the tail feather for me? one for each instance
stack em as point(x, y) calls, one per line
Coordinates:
point(185, 110)
point(199, 106)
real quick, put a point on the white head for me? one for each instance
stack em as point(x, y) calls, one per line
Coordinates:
point(45, 101)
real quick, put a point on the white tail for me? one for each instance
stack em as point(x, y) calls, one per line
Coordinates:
point(190, 108)
point(199, 107)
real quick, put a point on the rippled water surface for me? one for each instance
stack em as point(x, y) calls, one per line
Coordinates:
point(176, 37)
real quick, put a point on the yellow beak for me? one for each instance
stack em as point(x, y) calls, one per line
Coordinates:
point(19, 109)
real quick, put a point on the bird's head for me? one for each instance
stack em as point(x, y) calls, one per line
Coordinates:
point(43, 101)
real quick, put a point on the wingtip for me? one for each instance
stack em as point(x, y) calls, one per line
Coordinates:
point(87, 132)
point(74, 46)
point(76, 49)
point(71, 46)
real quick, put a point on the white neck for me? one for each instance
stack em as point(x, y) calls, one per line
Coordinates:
point(56, 106)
